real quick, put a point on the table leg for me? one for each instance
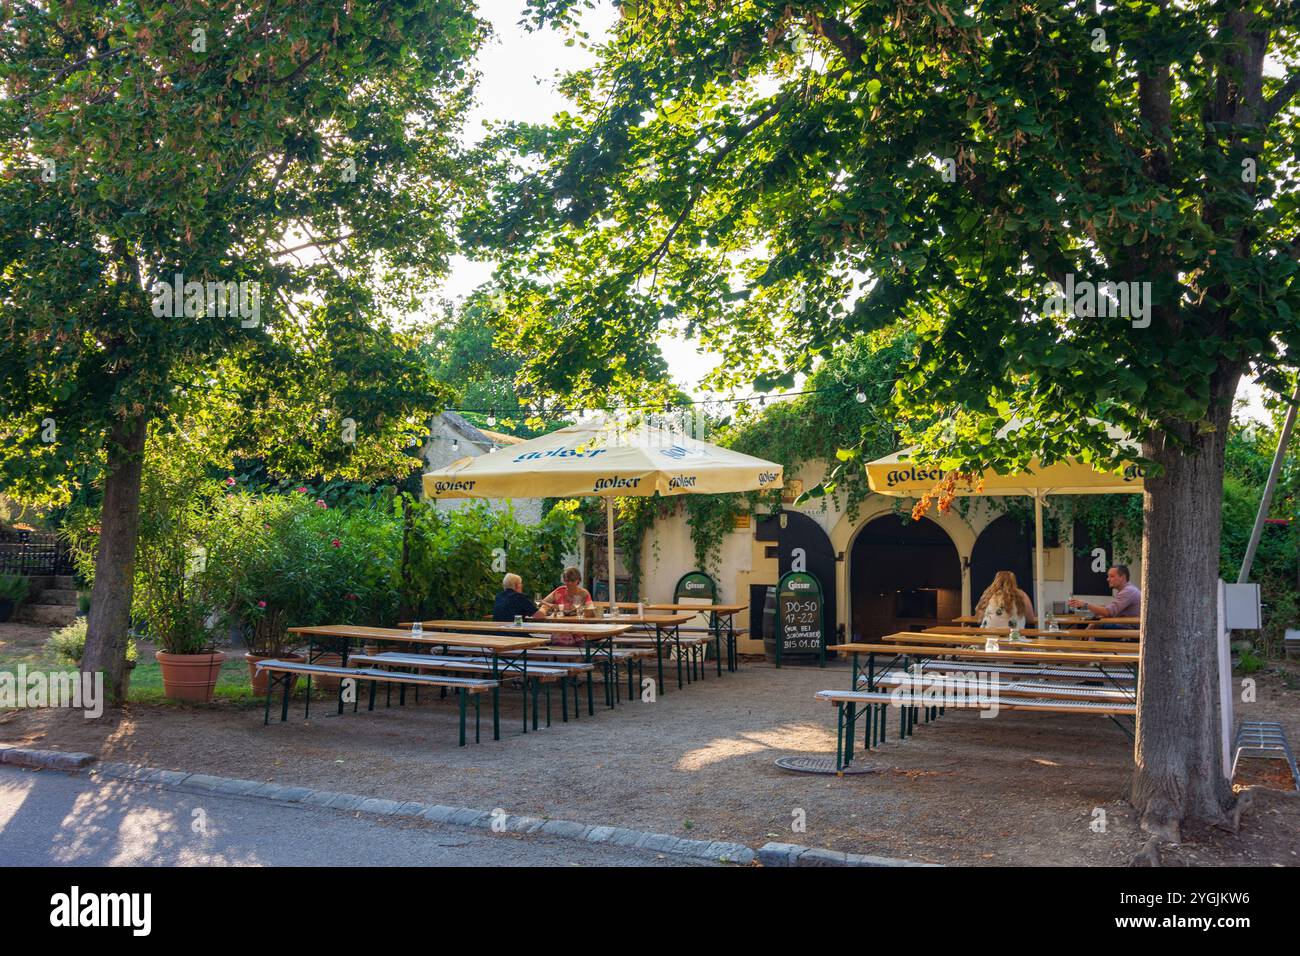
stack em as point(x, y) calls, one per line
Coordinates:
point(659, 659)
point(343, 656)
point(839, 736)
point(611, 672)
point(717, 640)
point(496, 699)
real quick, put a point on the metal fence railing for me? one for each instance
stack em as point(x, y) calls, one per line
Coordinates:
point(32, 553)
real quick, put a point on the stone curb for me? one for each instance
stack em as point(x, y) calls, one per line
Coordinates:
point(771, 854)
point(47, 759)
point(498, 822)
point(792, 854)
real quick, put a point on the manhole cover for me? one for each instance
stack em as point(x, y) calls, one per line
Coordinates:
point(810, 764)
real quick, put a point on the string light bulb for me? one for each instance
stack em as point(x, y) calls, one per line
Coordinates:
point(492, 418)
point(861, 396)
point(455, 444)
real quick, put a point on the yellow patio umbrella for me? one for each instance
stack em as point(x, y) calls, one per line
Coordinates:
point(898, 476)
point(604, 459)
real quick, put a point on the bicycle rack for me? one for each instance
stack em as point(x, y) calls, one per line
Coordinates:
point(1263, 738)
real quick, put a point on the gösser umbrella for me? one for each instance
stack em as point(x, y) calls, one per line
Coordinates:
point(898, 476)
point(603, 459)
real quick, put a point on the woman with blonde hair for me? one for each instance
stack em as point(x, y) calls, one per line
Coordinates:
point(570, 599)
point(1004, 604)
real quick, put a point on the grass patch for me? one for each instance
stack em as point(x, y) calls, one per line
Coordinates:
point(232, 683)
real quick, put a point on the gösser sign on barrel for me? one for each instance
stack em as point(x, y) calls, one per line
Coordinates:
point(799, 614)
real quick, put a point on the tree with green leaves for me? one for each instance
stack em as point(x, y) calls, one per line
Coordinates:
point(217, 199)
point(469, 351)
point(1083, 211)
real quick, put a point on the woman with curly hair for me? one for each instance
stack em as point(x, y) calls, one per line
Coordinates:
point(1004, 604)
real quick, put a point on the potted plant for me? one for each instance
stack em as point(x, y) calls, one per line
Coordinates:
point(172, 587)
point(13, 591)
point(266, 637)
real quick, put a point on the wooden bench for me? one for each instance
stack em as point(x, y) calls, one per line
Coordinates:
point(1050, 672)
point(1015, 688)
point(539, 673)
point(1125, 681)
point(633, 657)
point(283, 672)
point(908, 702)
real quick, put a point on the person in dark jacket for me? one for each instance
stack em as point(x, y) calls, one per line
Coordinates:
point(512, 602)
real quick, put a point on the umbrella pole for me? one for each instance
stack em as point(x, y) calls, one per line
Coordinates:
point(609, 530)
point(1038, 555)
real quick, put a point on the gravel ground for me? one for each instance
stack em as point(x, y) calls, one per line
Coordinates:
point(1018, 789)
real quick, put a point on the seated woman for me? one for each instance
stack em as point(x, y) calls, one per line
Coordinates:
point(570, 599)
point(1004, 604)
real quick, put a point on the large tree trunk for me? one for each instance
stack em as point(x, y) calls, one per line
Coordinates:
point(1179, 776)
point(109, 620)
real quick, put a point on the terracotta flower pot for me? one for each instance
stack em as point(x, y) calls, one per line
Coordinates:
point(260, 680)
point(190, 677)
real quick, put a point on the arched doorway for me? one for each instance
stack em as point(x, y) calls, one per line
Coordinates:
point(800, 533)
point(903, 575)
point(1007, 544)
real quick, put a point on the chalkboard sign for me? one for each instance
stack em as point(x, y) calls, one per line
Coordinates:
point(800, 613)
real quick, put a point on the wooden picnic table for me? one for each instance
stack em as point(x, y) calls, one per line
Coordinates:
point(1070, 635)
point(665, 625)
point(597, 637)
point(1019, 655)
point(718, 613)
point(497, 645)
point(1016, 655)
point(1046, 643)
point(1065, 620)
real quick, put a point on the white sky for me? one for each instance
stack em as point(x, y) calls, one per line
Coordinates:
point(519, 71)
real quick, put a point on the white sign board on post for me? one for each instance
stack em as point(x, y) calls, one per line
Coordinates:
point(1225, 682)
point(1239, 608)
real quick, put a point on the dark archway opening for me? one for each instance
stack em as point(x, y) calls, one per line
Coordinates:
point(800, 532)
point(1007, 544)
point(904, 576)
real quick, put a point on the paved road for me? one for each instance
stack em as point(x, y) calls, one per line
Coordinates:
point(53, 819)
